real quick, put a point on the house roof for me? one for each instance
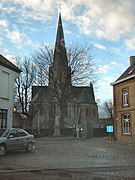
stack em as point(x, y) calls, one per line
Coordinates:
point(6, 63)
point(128, 74)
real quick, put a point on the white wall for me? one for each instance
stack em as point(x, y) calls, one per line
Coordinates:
point(7, 78)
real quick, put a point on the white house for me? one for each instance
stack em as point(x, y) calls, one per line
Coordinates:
point(8, 73)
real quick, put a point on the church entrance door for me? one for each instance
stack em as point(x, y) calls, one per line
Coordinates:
point(89, 130)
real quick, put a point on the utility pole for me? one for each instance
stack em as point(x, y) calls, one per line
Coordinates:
point(38, 121)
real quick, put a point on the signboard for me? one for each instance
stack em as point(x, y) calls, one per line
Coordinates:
point(109, 129)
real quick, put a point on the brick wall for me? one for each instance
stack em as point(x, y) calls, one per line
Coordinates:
point(119, 109)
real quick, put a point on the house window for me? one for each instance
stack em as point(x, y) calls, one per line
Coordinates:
point(3, 118)
point(125, 97)
point(126, 124)
point(5, 85)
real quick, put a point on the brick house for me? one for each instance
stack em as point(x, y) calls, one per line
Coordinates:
point(124, 104)
point(8, 73)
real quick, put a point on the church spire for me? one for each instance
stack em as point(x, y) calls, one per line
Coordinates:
point(60, 57)
point(60, 72)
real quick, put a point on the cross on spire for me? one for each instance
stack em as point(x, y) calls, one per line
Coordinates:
point(59, 8)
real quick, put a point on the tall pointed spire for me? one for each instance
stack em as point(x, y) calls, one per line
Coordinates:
point(60, 72)
point(60, 42)
point(60, 57)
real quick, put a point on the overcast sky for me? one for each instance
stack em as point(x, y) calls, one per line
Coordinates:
point(108, 24)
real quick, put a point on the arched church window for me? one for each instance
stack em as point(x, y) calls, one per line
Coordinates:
point(41, 110)
point(87, 112)
point(94, 112)
point(66, 111)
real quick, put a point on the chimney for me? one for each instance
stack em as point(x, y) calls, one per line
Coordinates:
point(132, 60)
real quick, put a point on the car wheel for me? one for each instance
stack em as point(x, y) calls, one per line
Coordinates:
point(2, 150)
point(30, 147)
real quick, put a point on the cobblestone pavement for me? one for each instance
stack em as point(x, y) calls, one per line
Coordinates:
point(69, 158)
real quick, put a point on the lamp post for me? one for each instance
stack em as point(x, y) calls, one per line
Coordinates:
point(38, 121)
point(116, 128)
point(77, 122)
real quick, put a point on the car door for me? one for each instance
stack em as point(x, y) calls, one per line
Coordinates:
point(13, 140)
point(22, 139)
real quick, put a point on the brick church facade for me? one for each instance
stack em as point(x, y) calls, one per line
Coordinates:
point(60, 106)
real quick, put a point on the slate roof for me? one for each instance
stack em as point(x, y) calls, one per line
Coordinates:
point(5, 63)
point(128, 74)
point(84, 94)
point(40, 93)
point(79, 94)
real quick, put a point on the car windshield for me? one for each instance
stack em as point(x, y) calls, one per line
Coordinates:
point(5, 133)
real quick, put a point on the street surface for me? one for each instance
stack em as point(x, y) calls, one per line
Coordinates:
point(70, 158)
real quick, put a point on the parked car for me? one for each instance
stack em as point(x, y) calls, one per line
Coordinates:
point(16, 139)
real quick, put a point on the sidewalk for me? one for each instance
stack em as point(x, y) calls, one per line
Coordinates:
point(68, 174)
point(104, 139)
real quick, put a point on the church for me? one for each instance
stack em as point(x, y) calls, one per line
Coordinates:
point(60, 106)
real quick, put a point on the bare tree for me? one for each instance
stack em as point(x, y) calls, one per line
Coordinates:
point(43, 59)
point(80, 59)
point(108, 108)
point(24, 83)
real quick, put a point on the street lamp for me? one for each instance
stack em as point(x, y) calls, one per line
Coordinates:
point(14, 109)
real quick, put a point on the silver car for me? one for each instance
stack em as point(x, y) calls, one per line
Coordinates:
point(16, 139)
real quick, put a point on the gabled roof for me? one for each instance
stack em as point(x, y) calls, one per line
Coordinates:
point(84, 94)
point(128, 74)
point(40, 93)
point(80, 94)
point(5, 63)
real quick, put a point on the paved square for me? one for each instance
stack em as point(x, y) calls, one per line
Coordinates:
point(96, 155)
